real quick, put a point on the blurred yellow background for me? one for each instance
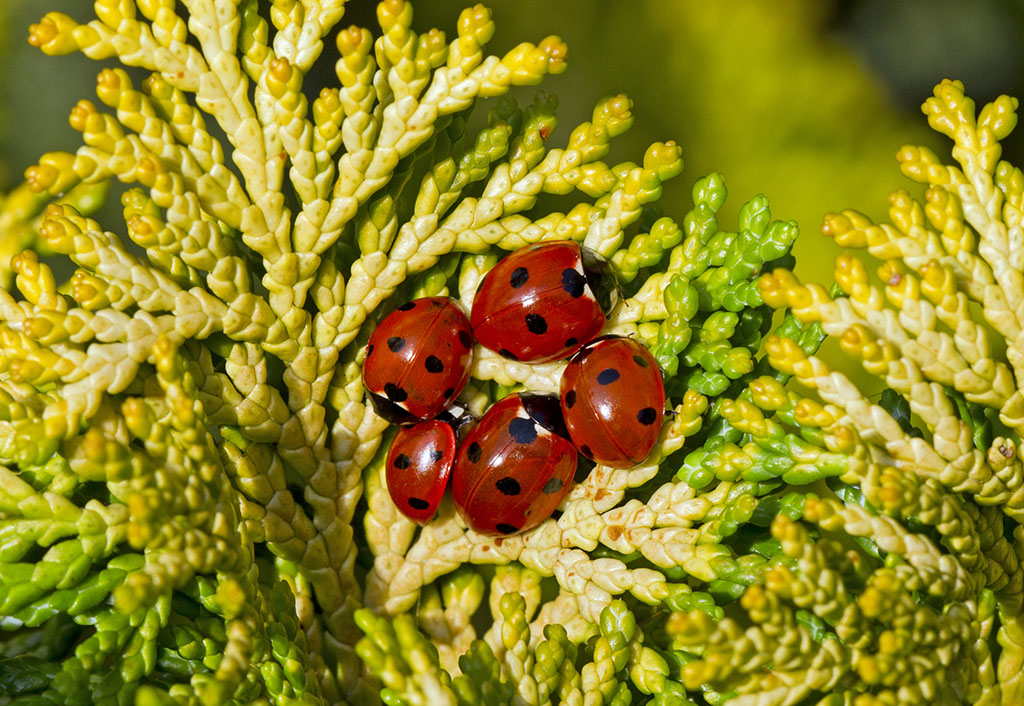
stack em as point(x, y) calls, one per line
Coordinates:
point(806, 101)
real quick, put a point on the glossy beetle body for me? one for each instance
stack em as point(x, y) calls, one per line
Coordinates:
point(418, 466)
point(514, 466)
point(543, 302)
point(418, 360)
point(613, 401)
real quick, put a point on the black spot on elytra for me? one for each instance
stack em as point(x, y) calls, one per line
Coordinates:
point(436, 455)
point(573, 282)
point(396, 343)
point(508, 486)
point(571, 341)
point(418, 503)
point(369, 349)
point(395, 393)
point(522, 430)
point(465, 339)
point(407, 306)
point(552, 486)
point(535, 323)
point(473, 452)
point(641, 361)
point(506, 528)
point(519, 277)
point(647, 415)
point(449, 392)
point(433, 364)
point(402, 462)
point(607, 376)
point(585, 450)
point(570, 398)
point(506, 353)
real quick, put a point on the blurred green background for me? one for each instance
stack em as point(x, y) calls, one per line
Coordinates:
point(806, 101)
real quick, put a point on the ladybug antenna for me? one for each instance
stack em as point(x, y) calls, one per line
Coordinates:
point(546, 411)
point(601, 279)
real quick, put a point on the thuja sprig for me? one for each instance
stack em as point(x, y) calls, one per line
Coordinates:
point(191, 490)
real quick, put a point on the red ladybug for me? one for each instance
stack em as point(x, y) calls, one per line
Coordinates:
point(543, 302)
point(418, 359)
point(514, 466)
point(418, 465)
point(613, 401)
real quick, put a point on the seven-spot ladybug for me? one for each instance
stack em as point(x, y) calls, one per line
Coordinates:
point(543, 302)
point(613, 401)
point(514, 466)
point(418, 359)
point(418, 465)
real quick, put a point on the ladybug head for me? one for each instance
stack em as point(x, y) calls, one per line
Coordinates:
point(546, 411)
point(601, 279)
point(458, 417)
point(391, 411)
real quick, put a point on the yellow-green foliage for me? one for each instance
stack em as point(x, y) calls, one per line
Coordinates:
point(931, 473)
point(192, 498)
point(768, 94)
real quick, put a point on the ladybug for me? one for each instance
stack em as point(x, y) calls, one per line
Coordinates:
point(613, 401)
point(418, 359)
point(418, 465)
point(514, 466)
point(543, 302)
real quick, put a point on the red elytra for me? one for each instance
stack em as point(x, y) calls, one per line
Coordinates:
point(418, 466)
point(514, 466)
point(613, 401)
point(418, 360)
point(543, 302)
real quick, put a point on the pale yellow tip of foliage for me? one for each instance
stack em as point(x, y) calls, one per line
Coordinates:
point(754, 598)
point(54, 34)
point(811, 413)
point(354, 41)
point(53, 173)
point(815, 510)
point(847, 229)
point(922, 165)
point(279, 75)
point(82, 114)
point(768, 393)
point(773, 287)
point(784, 354)
point(840, 440)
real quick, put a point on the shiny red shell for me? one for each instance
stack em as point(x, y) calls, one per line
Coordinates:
point(543, 302)
point(418, 466)
point(418, 359)
point(514, 466)
point(613, 401)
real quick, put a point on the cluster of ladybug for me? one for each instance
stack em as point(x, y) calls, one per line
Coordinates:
point(512, 467)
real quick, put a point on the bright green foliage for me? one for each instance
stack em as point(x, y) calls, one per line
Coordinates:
point(844, 550)
point(605, 671)
point(192, 499)
point(693, 298)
